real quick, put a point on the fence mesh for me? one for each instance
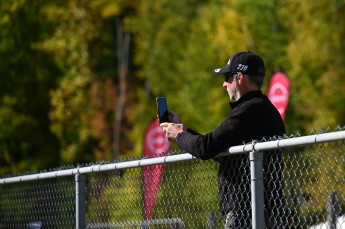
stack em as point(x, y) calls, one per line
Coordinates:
point(38, 204)
point(185, 195)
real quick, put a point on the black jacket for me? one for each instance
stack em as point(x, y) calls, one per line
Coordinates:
point(253, 117)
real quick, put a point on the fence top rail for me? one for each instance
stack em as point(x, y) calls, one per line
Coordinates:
point(246, 148)
point(289, 142)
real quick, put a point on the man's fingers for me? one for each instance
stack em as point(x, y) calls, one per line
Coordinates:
point(164, 124)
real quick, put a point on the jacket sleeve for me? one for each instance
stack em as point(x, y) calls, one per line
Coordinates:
point(207, 146)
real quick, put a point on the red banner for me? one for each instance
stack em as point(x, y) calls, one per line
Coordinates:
point(278, 92)
point(155, 144)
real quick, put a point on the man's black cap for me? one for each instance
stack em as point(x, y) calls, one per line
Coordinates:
point(245, 62)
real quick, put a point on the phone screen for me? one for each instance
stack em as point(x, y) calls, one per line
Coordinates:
point(162, 107)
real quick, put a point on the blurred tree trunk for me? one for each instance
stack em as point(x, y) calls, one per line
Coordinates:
point(123, 46)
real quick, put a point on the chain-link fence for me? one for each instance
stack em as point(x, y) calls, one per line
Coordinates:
point(306, 189)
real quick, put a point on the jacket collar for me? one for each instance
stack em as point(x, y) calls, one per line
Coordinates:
point(250, 95)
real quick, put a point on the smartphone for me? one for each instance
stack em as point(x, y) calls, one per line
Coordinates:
point(162, 109)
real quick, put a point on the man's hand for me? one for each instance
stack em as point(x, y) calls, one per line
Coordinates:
point(171, 130)
point(173, 117)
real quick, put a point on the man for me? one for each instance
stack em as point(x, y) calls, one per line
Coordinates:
point(253, 117)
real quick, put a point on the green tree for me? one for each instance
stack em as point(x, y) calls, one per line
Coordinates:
point(26, 77)
point(58, 93)
point(316, 63)
point(84, 121)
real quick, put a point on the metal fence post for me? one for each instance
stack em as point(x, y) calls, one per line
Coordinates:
point(80, 213)
point(257, 189)
point(212, 220)
point(333, 210)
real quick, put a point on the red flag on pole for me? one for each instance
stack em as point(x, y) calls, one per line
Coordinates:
point(155, 144)
point(278, 92)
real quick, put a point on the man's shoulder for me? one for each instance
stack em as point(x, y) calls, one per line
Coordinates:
point(258, 107)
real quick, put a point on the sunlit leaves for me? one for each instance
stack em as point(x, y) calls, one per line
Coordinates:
point(316, 61)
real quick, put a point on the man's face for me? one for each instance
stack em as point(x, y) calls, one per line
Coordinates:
point(230, 84)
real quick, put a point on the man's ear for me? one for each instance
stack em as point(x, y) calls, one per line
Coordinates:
point(241, 78)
